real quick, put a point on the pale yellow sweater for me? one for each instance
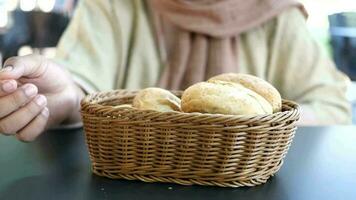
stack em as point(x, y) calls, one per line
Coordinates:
point(111, 45)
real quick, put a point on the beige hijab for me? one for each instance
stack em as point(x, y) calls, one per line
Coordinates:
point(200, 38)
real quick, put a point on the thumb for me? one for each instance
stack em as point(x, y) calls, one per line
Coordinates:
point(30, 66)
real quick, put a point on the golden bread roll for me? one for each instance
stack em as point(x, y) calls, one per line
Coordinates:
point(220, 97)
point(260, 86)
point(156, 99)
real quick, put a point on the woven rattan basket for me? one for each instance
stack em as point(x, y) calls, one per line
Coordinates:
point(184, 148)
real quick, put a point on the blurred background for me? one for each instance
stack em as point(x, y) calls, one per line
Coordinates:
point(32, 26)
point(35, 26)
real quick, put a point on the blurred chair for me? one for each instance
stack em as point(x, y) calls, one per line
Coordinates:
point(35, 29)
point(343, 41)
point(16, 36)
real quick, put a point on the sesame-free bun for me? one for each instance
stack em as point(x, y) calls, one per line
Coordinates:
point(156, 99)
point(220, 97)
point(258, 85)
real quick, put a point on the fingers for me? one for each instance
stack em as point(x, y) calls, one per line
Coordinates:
point(17, 99)
point(19, 119)
point(34, 128)
point(7, 87)
point(22, 110)
point(30, 66)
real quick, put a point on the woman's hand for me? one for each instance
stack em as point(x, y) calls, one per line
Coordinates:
point(35, 94)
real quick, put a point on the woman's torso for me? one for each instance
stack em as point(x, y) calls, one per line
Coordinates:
point(142, 62)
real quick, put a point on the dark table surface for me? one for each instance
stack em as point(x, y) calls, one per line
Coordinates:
point(321, 164)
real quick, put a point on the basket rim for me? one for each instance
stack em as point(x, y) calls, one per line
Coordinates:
point(88, 105)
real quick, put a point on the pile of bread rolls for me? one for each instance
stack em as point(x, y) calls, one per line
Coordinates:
point(231, 94)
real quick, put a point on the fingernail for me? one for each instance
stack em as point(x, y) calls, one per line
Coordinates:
point(45, 112)
point(40, 100)
point(30, 90)
point(8, 86)
point(7, 69)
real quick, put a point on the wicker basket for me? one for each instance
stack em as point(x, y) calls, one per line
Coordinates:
point(184, 148)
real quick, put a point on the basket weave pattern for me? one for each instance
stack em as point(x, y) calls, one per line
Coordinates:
point(184, 148)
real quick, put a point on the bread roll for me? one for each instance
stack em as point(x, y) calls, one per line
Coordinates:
point(156, 99)
point(220, 97)
point(260, 86)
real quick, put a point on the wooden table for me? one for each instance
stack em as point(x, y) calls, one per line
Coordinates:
point(321, 164)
